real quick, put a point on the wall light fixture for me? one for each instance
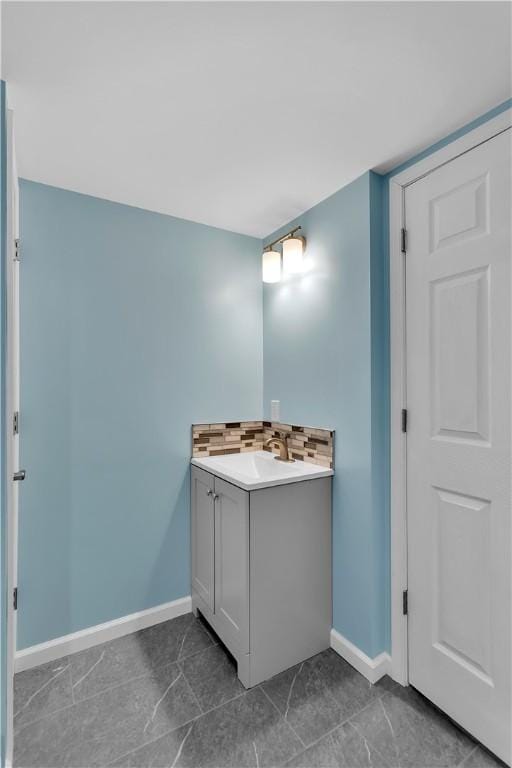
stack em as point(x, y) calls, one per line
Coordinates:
point(293, 255)
point(271, 266)
point(292, 260)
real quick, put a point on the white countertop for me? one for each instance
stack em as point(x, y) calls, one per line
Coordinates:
point(259, 469)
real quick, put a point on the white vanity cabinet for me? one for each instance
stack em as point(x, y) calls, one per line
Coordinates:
point(261, 569)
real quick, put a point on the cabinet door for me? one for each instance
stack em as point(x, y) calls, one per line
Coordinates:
point(232, 565)
point(202, 535)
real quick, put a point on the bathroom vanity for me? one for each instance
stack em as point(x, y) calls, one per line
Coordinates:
point(261, 558)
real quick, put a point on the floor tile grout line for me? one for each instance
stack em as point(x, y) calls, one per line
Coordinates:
point(197, 653)
point(148, 673)
point(212, 673)
point(290, 726)
point(389, 694)
point(466, 757)
point(166, 733)
point(182, 725)
point(238, 696)
point(152, 741)
point(100, 693)
point(368, 703)
point(44, 686)
point(359, 711)
point(346, 721)
point(342, 722)
point(245, 692)
point(201, 710)
point(48, 714)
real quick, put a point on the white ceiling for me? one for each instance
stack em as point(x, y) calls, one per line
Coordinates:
point(242, 114)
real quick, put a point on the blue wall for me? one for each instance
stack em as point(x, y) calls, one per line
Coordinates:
point(325, 337)
point(133, 326)
point(380, 409)
point(3, 574)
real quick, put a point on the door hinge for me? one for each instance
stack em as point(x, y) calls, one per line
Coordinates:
point(17, 249)
point(404, 419)
point(405, 603)
point(15, 598)
point(16, 422)
point(403, 240)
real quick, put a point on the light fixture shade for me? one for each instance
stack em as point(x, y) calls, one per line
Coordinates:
point(293, 251)
point(271, 266)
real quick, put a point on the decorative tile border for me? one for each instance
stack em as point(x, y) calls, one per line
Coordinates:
point(230, 437)
point(308, 444)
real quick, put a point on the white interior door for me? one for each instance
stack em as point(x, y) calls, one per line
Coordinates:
point(458, 289)
point(12, 407)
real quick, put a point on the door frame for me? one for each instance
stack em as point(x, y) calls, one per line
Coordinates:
point(11, 404)
point(398, 372)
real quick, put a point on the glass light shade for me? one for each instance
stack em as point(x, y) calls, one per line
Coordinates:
point(293, 250)
point(271, 266)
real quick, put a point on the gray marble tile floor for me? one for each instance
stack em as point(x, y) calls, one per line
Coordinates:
point(169, 697)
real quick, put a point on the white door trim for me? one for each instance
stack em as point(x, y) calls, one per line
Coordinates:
point(397, 184)
point(11, 404)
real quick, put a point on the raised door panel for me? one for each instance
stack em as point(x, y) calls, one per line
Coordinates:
point(232, 565)
point(460, 214)
point(461, 583)
point(459, 311)
point(203, 536)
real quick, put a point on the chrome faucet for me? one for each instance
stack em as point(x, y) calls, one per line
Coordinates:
point(282, 444)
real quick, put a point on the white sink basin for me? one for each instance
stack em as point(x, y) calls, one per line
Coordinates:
point(259, 469)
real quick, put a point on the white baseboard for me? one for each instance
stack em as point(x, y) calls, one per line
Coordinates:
point(87, 638)
point(372, 669)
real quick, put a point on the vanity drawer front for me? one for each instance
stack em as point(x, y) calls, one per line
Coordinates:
point(232, 565)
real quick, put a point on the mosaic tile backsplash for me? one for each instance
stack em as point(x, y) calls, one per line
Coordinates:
point(309, 444)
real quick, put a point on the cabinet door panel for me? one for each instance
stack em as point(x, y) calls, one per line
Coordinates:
point(202, 535)
point(232, 565)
